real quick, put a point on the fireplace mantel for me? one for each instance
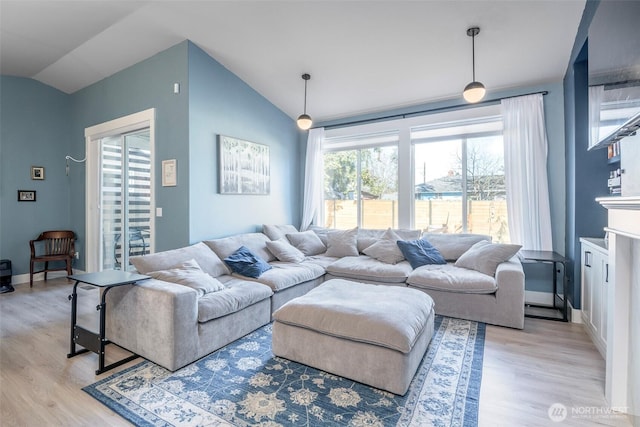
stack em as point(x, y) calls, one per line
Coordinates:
point(623, 330)
point(629, 203)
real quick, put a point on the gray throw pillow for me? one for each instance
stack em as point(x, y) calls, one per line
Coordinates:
point(189, 273)
point(283, 250)
point(453, 245)
point(485, 257)
point(341, 243)
point(275, 232)
point(307, 242)
point(386, 249)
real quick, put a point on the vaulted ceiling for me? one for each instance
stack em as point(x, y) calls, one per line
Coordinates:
point(363, 56)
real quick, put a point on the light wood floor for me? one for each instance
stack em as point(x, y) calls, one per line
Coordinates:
point(524, 371)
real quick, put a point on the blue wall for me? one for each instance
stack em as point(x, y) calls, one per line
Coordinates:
point(41, 125)
point(148, 84)
point(34, 131)
point(221, 103)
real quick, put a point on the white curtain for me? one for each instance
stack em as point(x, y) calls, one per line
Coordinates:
point(596, 93)
point(525, 161)
point(314, 174)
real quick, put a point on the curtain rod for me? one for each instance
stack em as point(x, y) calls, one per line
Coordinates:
point(423, 112)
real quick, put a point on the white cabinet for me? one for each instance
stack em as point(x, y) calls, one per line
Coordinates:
point(595, 280)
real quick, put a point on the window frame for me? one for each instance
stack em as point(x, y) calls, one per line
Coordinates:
point(403, 127)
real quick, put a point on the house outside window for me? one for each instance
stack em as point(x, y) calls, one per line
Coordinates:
point(459, 183)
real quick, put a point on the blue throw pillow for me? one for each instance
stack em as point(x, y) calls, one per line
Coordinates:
point(244, 262)
point(420, 252)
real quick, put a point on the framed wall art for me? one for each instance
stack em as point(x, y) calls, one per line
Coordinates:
point(243, 166)
point(169, 176)
point(37, 172)
point(26, 196)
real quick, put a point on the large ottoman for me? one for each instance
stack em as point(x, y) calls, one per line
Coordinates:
point(376, 335)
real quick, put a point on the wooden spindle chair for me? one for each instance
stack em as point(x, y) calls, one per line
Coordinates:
point(50, 246)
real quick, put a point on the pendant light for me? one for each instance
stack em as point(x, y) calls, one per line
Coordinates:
point(474, 91)
point(304, 121)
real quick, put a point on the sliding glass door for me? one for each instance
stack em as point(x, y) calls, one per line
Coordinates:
point(120, 204)
point(125, 193)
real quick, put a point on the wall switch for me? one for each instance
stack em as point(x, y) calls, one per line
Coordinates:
point(158, 212)
point(77, 255)
point(176, 88)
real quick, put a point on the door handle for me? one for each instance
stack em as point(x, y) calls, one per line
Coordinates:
point(587, 259)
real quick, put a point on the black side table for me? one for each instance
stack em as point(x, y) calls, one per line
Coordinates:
point(559, 309)
point(90, 340)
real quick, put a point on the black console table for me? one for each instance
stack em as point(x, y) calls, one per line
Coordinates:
point(559, 310)
point(90, 340)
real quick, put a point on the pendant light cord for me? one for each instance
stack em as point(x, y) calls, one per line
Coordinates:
point(305, 96)
point(473, 55)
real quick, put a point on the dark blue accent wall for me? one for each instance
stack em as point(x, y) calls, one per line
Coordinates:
point(586, 171)
point(34, 131)
point(221, 103)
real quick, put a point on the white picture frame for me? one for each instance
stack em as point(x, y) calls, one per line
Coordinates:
point(169, 173)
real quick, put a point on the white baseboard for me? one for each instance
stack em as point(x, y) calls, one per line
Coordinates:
point(576, 314)
point(24, 278)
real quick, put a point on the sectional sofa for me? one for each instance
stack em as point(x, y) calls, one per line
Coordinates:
point(204, 296)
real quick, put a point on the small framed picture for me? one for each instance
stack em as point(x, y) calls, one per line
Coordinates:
point(169, 178)
point(37, 172)
point(26, 196)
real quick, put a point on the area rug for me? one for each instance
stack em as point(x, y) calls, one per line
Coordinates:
point(244, 384)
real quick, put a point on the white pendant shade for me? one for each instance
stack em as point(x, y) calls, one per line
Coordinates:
point(474, 92)
point(304, 122)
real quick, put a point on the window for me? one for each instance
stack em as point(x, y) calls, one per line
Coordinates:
point(459, 184)
point(441, 172)
point(361, 182)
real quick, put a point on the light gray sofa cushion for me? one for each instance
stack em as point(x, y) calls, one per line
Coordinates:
point(321, 232)
point(284, 251)
point(321, 260)
point(367, 268)
point(341, 243)
point(255, 242)
point(208, 261)
point(275, 232)
point(367, 237)
point(485, 257)
point(386, 316)
point(448, 277)
point(452, 246)
point(286, 274)
point(237, 295)
point(386, 248)
point(307, 242)
point(189, 274)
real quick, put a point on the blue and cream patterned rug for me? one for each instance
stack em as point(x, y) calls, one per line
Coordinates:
point(243, 384)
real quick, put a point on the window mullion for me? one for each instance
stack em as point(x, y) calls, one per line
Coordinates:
point(464, 185)
point(359, 188)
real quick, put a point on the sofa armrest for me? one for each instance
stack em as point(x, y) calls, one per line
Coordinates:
point(510, 294)
point(510, 273)
point(154, 319)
